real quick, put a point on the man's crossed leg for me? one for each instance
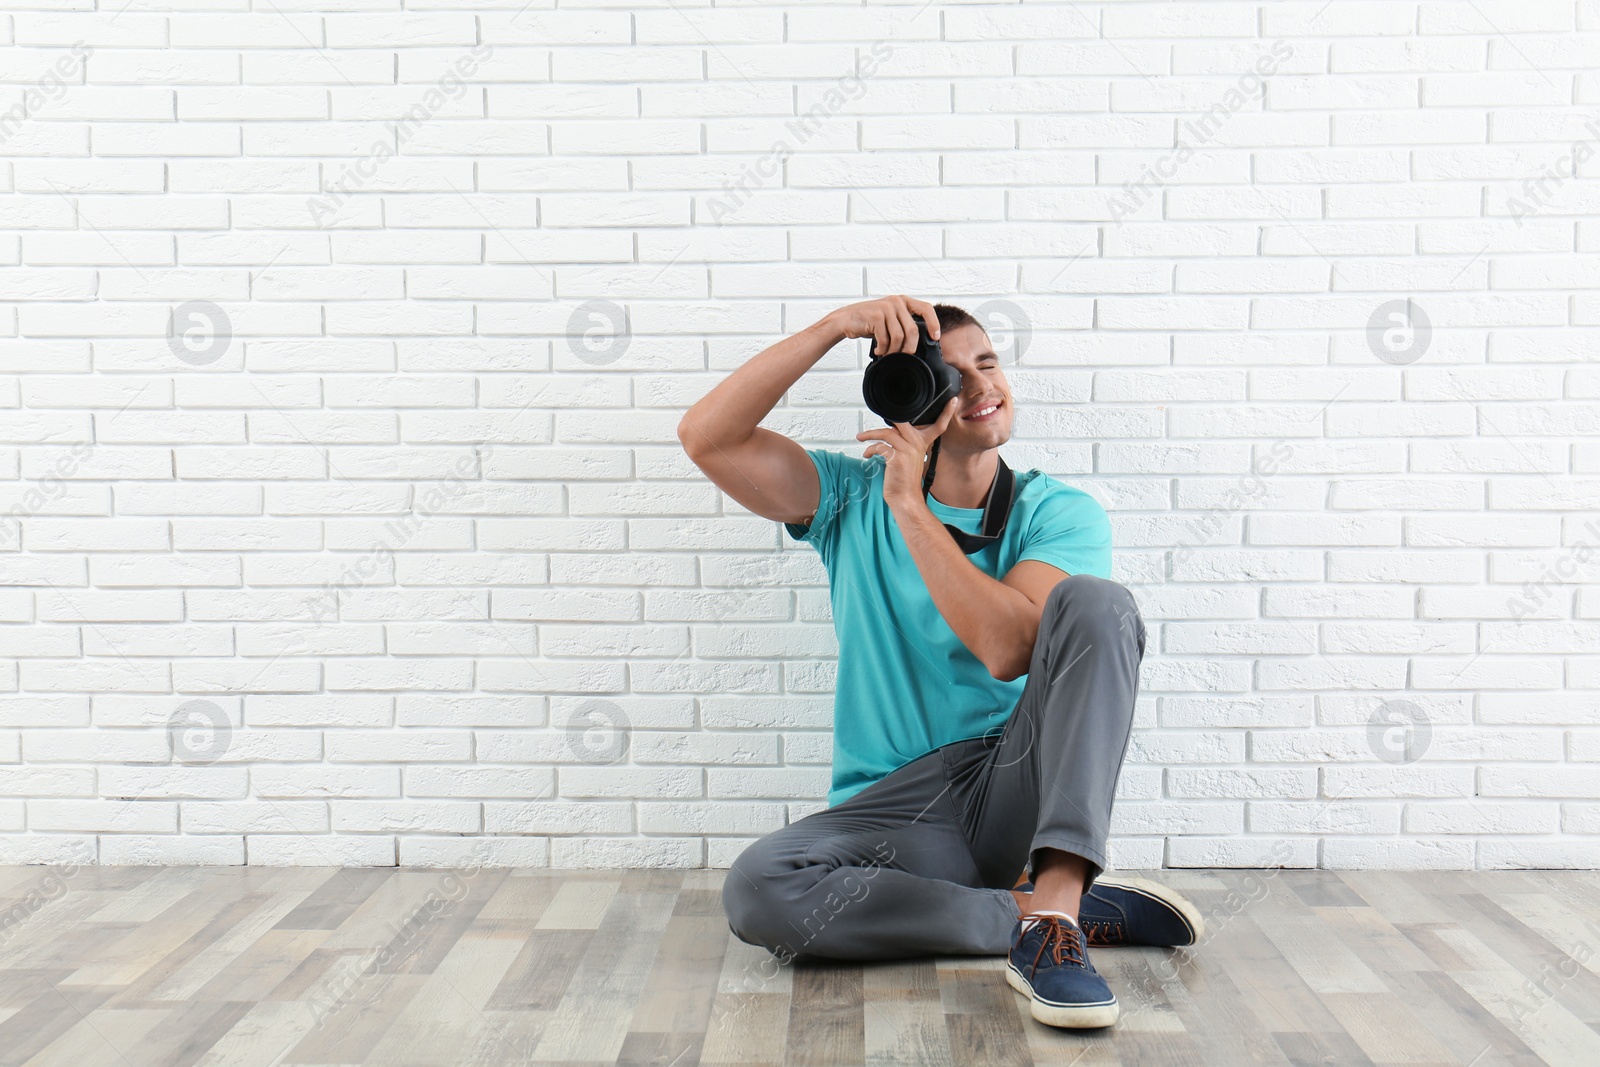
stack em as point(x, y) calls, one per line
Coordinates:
point(925, 860)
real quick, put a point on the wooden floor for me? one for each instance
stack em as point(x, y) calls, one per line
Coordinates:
point(236, 965)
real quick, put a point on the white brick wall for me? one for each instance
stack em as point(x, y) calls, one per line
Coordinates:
point(342, 353)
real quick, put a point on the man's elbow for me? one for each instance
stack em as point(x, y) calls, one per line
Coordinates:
point(689, 437)
point(1008, 669)
point(1012, 660)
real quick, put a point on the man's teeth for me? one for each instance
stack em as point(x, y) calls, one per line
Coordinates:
point(984, 411)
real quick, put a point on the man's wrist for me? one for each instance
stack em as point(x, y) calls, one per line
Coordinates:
point(827, 330)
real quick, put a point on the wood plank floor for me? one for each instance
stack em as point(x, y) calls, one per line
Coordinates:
point(306, 966)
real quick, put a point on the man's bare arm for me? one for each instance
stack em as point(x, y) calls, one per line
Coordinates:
point(766, 471)
point(763, 470)
point(998, 621)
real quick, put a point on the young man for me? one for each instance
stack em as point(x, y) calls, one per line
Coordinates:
point(985, 690)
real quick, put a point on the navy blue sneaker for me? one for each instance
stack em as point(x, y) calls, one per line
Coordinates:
point(1049, 965)
point(1119, 910)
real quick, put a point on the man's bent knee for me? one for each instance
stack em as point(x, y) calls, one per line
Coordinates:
point(748, 899)
point(1097, 601)
point(1090, 593)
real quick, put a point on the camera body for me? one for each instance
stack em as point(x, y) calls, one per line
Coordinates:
point(910, 387)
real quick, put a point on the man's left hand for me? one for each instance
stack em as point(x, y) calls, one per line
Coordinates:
point(906, 448)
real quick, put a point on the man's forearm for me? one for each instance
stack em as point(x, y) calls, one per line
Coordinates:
point(997, 623)
point(730, 413)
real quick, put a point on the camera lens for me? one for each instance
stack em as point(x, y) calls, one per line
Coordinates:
point(899, 387)
point(906, 387)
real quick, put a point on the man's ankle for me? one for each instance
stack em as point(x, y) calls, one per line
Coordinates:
point(1062, 904)
point(1059, 878)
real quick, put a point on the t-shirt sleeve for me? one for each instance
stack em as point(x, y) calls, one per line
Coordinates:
point(840, 480)
point(1070, 530)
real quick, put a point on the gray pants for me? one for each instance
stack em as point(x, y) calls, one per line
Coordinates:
point(921, 862)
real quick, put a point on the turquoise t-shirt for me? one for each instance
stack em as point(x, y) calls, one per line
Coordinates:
point(906, 684)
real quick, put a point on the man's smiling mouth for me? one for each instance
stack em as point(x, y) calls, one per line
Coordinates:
point(982, 413)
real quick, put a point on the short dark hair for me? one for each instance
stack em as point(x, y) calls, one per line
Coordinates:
point(952, 317)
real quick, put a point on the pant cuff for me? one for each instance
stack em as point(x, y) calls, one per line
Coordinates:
point(1094, 854)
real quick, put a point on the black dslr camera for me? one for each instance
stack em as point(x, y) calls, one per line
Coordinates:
point(911, 387)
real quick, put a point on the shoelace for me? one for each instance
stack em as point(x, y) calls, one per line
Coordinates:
point(1061, 938)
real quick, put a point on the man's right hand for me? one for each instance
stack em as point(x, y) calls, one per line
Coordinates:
point(887, 320)
point(763, 470)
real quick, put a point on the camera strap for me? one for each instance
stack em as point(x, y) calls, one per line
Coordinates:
point(996, 506)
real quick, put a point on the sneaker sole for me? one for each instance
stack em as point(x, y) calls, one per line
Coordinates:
point(1070, 1016)
point(1156, 891)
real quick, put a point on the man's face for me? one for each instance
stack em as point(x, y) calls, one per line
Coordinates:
point(983, 386)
